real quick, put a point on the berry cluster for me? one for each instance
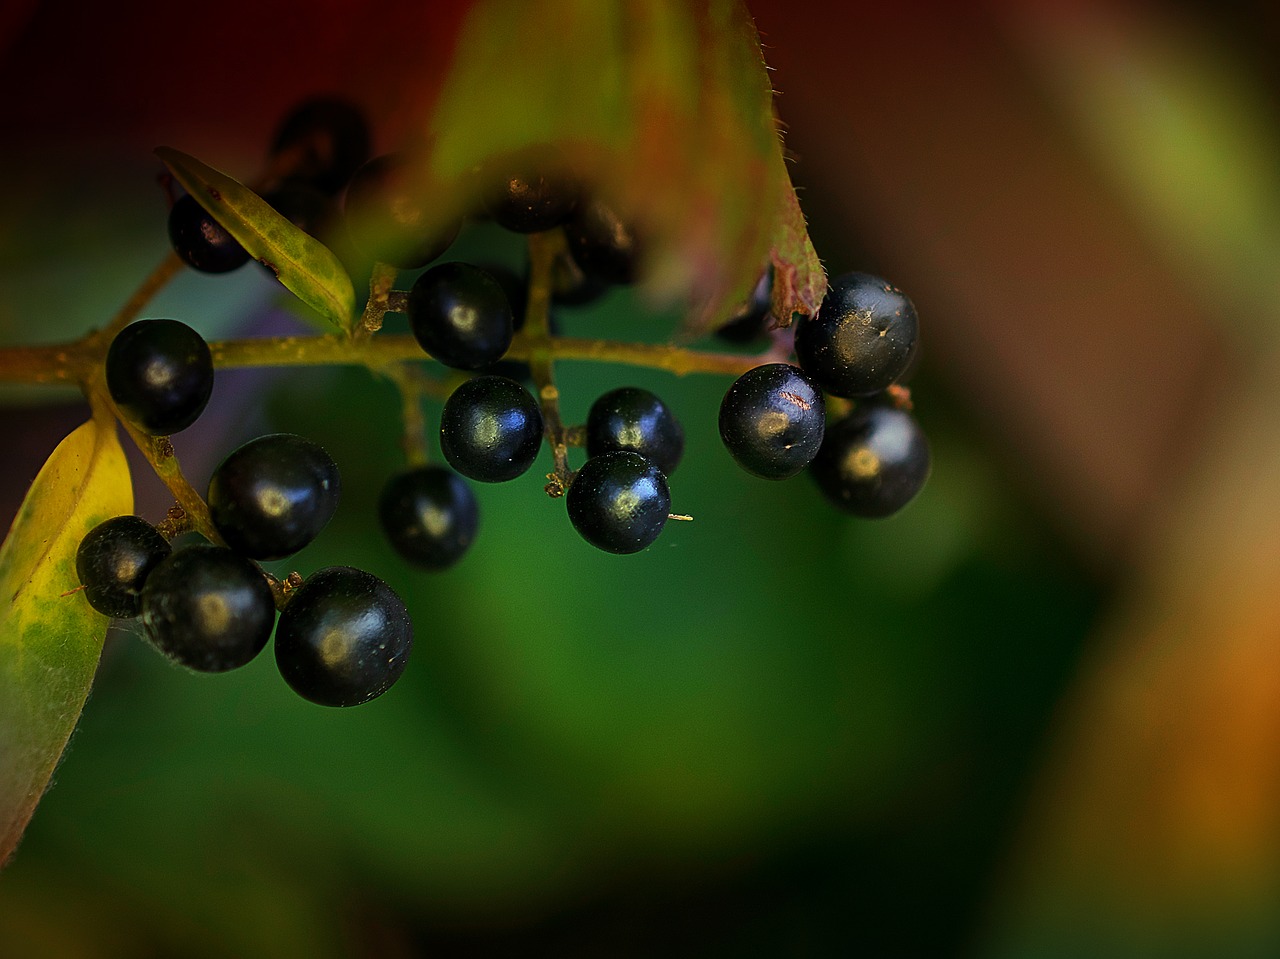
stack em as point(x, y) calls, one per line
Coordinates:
point(342, 635)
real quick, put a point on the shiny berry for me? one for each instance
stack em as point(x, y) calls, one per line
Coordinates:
point(323, 141)
point(531, 203)
point(619, 502)
point(633, 419)
point(862, 338)
point(460, 315)
point(274, 495)
point(602, 245)
point(344, 638)
point(873, 462)
point(491, 429)
point(771, 420)
point(160, 375)
point(113, 562)
point(207, 608)
point(200, 240)
point(429, 515)
point(388, 215)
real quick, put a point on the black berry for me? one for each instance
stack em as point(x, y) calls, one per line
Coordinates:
point(634, 419)
point(619, 502)
point(862, 338)
point(344, 638)
point(201, 241)
point(752, 321)
point(531, 202)
point(274, 495)
point(602, 245)
point(460, 315)
point(771, 420)
point(113, 562)
point(872, 462)
point(207, 608)
point(429, 515)
point(160, 374)
point(324, 141)
point(387, 216)
point(491, 429)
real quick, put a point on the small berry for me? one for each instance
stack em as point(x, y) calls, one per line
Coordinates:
point(344, 638)
point(619, 502)
point(531, 203)
point(387, 217)
point(274, 495)
point(113, 562)
point(872, 462)
point(602, 245)
point(326, 139)
point(752, 321)
point(160, 375)
point(460, 315)
point(201, 241)
point(634, 419)
point(771, 420)
point(208, 609)
point(491, 429)
point(429, 515)
point(862, 338)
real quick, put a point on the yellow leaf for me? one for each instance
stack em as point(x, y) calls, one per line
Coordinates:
point(50, 638)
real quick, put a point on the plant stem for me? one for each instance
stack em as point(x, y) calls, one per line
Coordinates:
point(543, 250)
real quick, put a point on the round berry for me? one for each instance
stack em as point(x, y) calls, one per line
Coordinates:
point(771, 420)
point(387, 216)
point(872, 462)
point(344, 638)
point(207, 608)
point(531, 203)
point(491, 429)
point(861, 339)
point(619, 502)
point(274, 495)
point(752, 321)
point(113, 562)
point(460, 315)
point(324, 140)
point(634, 419)
point(160, 375)
point(602, 245)
point(201, 241)
point(429, 515)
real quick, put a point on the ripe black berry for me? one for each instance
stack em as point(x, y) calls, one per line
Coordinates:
point(324, 140)
point(387, 219)
point(752, 321)
point(207, 608)
point(619, 502)
point(429, 515)
point(344, 638)
point(602, 245)
point(872, 462)
point(201, 241)
point(113, 562)
point(771, 420)
point(491, 429)
point(531, 202)
point(634, 419)
point(861, 339)
point(160, 374)
point(460, 315)
point(274, 495)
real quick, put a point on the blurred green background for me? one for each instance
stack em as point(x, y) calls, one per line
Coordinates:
point(1035, 714)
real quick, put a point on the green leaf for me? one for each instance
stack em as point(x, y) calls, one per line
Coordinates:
point(305, 266)
point(50, 638)
point(664, 109)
